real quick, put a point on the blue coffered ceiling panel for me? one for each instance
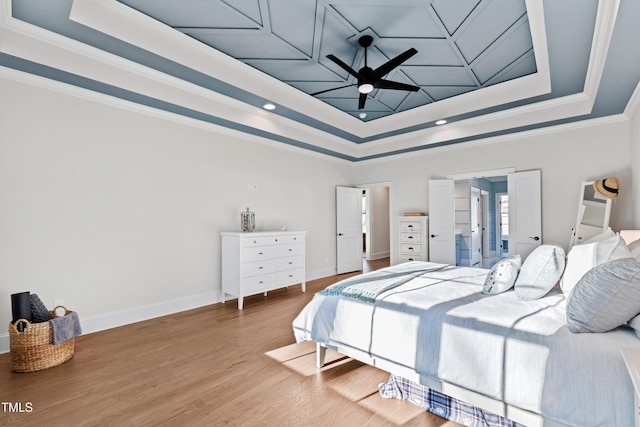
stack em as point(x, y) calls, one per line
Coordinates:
point(495, 33)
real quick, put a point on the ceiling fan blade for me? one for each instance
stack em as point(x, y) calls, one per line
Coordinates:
point(362, 100)
point(385, 68)
point(329, 90)
point(344, 66)
point(388, 84)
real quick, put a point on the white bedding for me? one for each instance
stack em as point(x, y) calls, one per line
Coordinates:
point(442, 327)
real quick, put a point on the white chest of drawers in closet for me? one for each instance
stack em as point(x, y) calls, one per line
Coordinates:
point(258, 262)
point(412, 238)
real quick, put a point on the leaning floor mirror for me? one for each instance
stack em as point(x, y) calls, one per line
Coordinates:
point(594, 211)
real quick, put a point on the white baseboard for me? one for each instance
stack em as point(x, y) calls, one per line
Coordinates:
point(319, 274)
point(379, 255)
point(114, 319)
point(101, 322)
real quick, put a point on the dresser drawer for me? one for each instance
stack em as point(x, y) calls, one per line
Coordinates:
point(408, 248)
point(291, 277)
point(408, 257)
point(288, 263)
point(248, 242)
point(256, 284)
point(410, 238)
point(258, 253)
point(275, 240)
point(259, 267)
point(410, 226)
point(290, 249)
point(296, 238)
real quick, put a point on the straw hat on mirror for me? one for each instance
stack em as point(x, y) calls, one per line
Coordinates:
point(608, 187)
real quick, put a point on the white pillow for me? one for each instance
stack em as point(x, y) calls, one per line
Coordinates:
point(581, 258)
point(606, 234)
point(502, 275)
point(540, 272)
point(585, 256)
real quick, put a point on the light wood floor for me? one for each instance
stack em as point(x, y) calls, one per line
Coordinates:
point(210, 366)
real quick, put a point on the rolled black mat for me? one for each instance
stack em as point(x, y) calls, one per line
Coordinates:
point(21, 308)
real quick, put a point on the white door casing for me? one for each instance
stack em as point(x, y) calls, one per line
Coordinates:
point(525, 213)
point(349, 229)
point(442, 243)
point(476, 235)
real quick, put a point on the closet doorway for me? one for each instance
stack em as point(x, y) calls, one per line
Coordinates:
point(376, 221)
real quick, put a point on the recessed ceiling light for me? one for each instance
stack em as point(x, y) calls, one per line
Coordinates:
point(269, 106)
point(362, 115)
point(441, 122)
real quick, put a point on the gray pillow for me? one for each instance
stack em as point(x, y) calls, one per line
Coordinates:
point(502, 275)
point(540, 272)
point(606, 297)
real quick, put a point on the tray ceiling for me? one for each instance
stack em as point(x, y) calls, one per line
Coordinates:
point(489, 67)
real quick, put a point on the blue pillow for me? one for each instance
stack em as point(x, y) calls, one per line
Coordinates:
point(540, 272)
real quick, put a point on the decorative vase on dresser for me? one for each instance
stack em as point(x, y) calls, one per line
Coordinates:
point(259, 262)
point(412, 238)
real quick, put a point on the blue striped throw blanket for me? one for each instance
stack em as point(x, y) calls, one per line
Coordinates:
point(366, 287)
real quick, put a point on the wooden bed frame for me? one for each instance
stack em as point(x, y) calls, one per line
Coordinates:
point(498, 407)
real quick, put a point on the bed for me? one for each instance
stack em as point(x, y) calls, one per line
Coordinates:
point(432, 326)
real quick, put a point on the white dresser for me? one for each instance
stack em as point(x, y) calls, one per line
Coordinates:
point(257, 262)
point(412, 238)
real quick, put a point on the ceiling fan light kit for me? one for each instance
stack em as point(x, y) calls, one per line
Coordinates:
point(368, 78)
point(365, 88)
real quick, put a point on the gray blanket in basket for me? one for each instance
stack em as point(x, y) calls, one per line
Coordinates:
point(66, 327)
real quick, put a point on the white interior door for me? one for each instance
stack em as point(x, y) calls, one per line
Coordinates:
point(525, 213)
point(349, 229)
point(442, 239)
point(486, 250)
point(476, 235)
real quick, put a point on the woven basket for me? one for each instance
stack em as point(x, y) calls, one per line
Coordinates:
point(32, 349)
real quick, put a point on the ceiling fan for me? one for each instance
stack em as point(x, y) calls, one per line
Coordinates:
point(368, 78)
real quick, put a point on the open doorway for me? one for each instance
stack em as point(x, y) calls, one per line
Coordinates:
point(477, 220)
point(376, 232)
point(502, 219)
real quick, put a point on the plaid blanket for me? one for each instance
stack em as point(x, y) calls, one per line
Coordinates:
point(441, 404)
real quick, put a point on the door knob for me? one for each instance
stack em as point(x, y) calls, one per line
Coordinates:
point(536, 238)
point(340, 234)
point(434, 235)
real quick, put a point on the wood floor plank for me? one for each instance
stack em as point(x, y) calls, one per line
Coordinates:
point(214, 365)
